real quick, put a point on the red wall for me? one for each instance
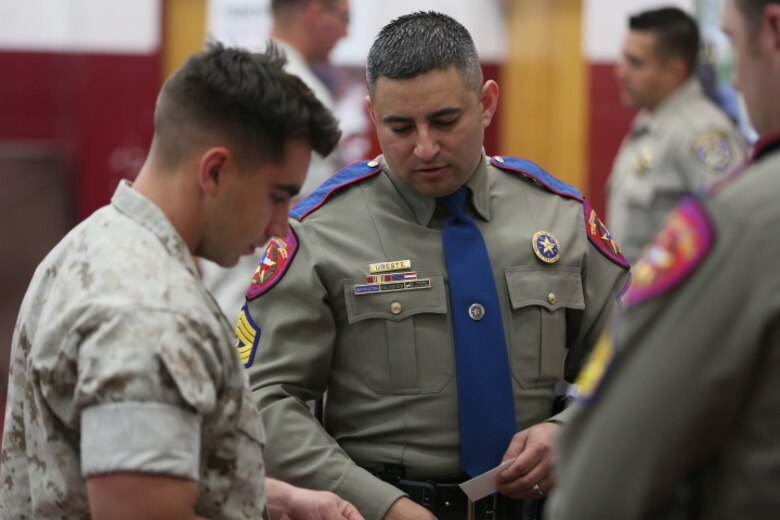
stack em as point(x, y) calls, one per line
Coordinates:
point(95, 108)
point(608, 122)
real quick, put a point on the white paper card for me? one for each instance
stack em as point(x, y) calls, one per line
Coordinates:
point(482, 485)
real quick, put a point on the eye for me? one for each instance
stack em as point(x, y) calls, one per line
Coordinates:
point(400, 130)
point(446, 123)
point(277, 198)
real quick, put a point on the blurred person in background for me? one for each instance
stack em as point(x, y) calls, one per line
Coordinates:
point(679, 142)
point(307, 30)
point(126, 399)
point(681, 421)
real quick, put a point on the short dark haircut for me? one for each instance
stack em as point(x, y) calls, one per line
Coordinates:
point(421, 42)
point(676, 31)
point(243, 98)
point(278, 5)
point(752, 9)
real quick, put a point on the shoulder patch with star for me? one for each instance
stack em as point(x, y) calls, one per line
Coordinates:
point(599, 236)
point(680, 247)
point(278, 255)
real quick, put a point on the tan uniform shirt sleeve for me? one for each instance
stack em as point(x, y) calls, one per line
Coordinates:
point(685, 416)
point(287, 373)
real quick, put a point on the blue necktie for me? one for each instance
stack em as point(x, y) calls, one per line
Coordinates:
point(485, 401)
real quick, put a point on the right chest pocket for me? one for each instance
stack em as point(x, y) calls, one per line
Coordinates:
point(402, 337)
point(540, 298)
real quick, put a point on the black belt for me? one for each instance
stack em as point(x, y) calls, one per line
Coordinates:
point(448, 502)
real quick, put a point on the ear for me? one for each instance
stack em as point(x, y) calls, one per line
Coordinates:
point(677, 70)
point(772, 18)
point(213, 168)
point(370, 109)
point(489, 100)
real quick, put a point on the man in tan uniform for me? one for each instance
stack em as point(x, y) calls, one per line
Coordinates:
point(357, 299)
point(678, 143)
point(125, 399)
point(685, 422)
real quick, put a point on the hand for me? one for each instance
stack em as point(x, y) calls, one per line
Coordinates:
point(407, 509)
point(286, 502)
point(534, 462)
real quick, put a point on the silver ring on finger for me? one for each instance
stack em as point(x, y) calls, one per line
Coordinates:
point(538, 490)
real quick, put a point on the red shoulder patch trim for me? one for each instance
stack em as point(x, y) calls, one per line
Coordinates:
point(684, 242)
point(278, 256)
point(599, 236)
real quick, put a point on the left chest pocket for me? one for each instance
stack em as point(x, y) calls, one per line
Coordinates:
point(403, 343)
point(540, 297)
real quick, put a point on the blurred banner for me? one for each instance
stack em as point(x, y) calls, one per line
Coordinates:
point(247, 23)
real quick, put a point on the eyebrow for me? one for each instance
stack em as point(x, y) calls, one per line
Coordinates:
point(447, 111)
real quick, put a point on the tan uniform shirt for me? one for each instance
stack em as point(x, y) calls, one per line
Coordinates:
point(121, 361)
point(684, 145)
point(387, 360)
point(685, 424)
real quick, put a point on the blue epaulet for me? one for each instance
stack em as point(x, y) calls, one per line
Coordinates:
point(349, 175)
point(533, 171)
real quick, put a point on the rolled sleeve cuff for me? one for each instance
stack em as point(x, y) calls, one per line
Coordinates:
point(370, 495)
point(140, 438)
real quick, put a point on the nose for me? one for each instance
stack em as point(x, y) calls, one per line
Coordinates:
point(279, 225)
point(426, 146)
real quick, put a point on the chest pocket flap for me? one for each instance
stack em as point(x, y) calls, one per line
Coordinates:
point(551, 287)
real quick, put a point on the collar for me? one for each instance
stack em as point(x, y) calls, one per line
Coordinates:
point(146, 214)
point(669, 108)
point(423, 207)
point(293, 56)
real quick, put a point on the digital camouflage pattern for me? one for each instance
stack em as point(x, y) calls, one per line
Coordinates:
point(116, 318)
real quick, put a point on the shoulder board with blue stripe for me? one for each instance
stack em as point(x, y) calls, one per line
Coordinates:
point(349, 175)
point(533, 171)
point(597, 232)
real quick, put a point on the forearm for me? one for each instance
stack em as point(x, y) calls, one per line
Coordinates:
point(304, 454)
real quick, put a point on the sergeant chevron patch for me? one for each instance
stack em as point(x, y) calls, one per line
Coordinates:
point(247, 337)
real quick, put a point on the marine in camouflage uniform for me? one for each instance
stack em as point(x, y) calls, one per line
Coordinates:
point(126, 397)
point(121, 362)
